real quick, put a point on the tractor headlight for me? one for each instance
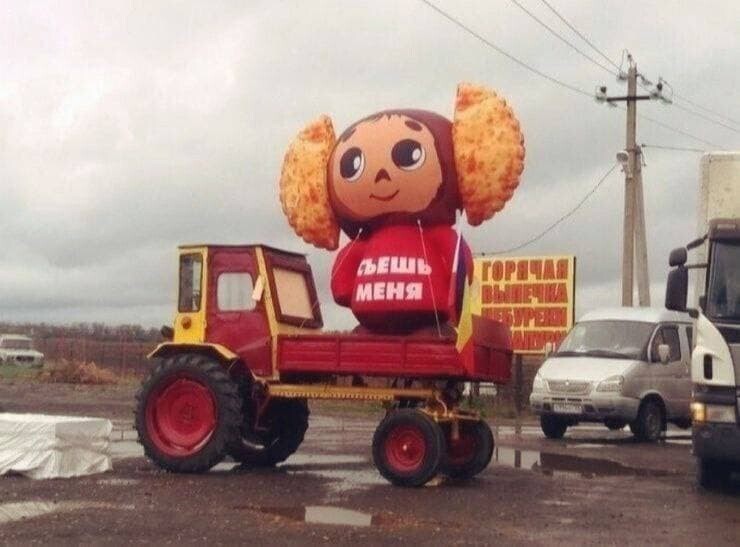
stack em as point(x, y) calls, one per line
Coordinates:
point(702, 412)
point(613, 384)
point(539, 383)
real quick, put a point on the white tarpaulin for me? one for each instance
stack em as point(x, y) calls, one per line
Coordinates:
point(45, 447)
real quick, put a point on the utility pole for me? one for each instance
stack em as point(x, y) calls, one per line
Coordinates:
point(641, 254)
point(634, 237)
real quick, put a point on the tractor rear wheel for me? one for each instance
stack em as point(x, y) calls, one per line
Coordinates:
point(187, 410)
point(408, 447)
point(471, 452)
point(283, 426)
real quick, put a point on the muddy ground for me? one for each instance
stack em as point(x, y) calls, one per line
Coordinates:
point(594, 487)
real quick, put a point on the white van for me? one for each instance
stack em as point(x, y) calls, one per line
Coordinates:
point(618, 366)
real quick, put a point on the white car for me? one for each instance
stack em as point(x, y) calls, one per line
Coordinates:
point(18, 350)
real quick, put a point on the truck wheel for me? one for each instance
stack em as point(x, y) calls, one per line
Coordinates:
point(554, 427)
point(187, 410)
point(649, 422)
point(471, 452)
point(615, 425)
point(712, 474)
point(284, 425)
point(408, 447)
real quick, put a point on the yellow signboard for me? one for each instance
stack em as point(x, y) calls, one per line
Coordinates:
point(534, 295)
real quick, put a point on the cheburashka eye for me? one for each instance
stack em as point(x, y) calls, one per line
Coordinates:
point(352, 164)
point(408, 154)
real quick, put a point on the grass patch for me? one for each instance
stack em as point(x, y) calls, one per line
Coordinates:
point(12, 372)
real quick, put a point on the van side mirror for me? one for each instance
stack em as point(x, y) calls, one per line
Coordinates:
point(677, 288)
point(664, 352)
point(677, 257)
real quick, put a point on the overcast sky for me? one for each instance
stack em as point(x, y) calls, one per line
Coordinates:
point(127, 128)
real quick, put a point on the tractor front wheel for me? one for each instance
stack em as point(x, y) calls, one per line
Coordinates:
point(281, 431)
point(408, 447)
point(471, 452)
point(187, 410)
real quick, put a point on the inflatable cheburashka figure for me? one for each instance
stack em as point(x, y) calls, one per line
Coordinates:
point(393, 183)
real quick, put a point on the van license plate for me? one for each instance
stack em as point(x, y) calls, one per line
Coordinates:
point(565, 408)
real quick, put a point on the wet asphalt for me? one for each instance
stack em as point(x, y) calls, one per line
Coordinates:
point(593, 487)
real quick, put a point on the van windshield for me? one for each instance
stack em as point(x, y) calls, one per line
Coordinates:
point(614, 339)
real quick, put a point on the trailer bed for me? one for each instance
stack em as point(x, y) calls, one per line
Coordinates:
point(347, 353)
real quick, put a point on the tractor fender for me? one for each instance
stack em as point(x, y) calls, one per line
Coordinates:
point(217, 351)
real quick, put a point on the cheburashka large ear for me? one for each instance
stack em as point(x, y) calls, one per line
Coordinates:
point(304, 195)
point(489, 151)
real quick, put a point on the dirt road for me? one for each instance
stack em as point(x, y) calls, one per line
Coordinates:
point(594, 487)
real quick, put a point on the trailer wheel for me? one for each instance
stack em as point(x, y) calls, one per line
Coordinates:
point(285, 422)
point(408, 447)
point(554, 427)
point(187, 410)
point(471, 452)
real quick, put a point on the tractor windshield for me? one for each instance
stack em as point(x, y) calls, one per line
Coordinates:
point(191, 273)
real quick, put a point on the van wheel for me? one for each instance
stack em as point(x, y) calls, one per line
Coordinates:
point(553, 427)
point(712, 474)
point(649, 422)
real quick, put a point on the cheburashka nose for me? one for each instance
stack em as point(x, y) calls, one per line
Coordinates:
point(382, 175)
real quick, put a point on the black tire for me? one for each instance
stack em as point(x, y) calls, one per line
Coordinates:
point(712, 475)
point(164, 416)
point(649, 423)
point(472, 453)
point(554, 427)
point(408, 447)
point(284, 426)
point(683, 423)
point(615, 425)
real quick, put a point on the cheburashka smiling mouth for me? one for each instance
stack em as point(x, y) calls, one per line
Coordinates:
point(385, 198)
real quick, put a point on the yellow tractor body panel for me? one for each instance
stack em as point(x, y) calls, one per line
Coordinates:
point(190, 327)
point(178, 347)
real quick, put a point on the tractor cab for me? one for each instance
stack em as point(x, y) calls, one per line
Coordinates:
point(236, 298)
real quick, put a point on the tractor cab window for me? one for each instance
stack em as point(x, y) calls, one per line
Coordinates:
point(293, 290)
point(191, 281)
point(234, 292)
point(293, 294)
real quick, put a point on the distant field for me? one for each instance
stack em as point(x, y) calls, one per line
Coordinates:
point(12, 372)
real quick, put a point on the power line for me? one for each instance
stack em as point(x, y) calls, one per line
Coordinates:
point(676, 148)
point(710, 111)
point(707, 118)
point(562, 218)
point(541, 74)
point(504, 52)
point(560, 37)
point(574, 29)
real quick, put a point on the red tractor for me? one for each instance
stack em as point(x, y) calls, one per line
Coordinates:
point(246, 354)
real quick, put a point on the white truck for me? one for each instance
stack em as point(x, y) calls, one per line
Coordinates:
point(715, 359)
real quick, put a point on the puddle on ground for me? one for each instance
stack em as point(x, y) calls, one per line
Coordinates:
point(12, 512)
point(552, 464)
point(118, 482)
point(324, 514)
point(121, 450)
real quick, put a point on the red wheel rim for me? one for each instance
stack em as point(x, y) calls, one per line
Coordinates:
point(405, 449)
point(462, 450)
point(181, 416)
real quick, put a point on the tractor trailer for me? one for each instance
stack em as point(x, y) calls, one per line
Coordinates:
point(715, 359)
